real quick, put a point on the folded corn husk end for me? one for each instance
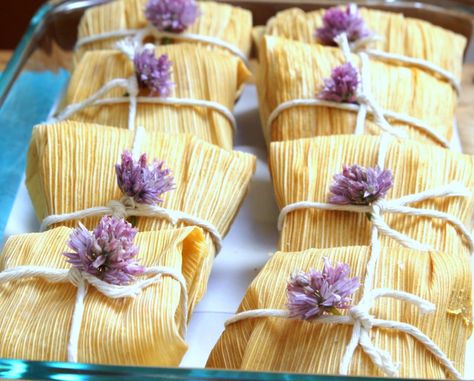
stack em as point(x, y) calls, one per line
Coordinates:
point(303, 170)
point(197, 73)
point(140, 331)
point(294, 70)
point(229, 23)
point(292, 345)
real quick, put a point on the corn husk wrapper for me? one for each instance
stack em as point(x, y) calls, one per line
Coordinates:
point(71, 167)
point(303, 170)
point(292, 345)
point(145, 330)
point(399, 34)
point(225, 22)
point(291, 70)
point(197, 73)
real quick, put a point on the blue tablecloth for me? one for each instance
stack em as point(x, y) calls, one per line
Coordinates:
point(28, 103)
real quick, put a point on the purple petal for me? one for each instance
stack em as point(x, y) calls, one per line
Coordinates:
point(145, 184)
point(337, 20)
point(172, 15)
point(342, 85)
point(153, 73)
point(107, 252)
point(358, 185)
point(313, 294)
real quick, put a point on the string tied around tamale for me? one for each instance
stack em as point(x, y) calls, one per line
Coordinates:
point(160, 19)
point(142, 186)
point(318, 311)
point(150, 73)
point(126, 207)
point(376, 181)
point(361, 189)
point(317, 298)
point(337, 20)
point(399, 206)
point(105, 260)
point(362, 102)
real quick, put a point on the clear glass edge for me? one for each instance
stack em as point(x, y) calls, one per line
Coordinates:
point(45, 370)
point(15, 369)
point(14, 65)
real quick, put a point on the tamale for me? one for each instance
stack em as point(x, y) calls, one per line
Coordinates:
point(303, 170)
point(210, 182)
point(290, 70)
point(197, 73)
point(293, 345)
point(145, 330)
point(225, 22)
point(399, 34)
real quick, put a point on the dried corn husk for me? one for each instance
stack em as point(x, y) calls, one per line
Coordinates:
point(137, 331)
point(275, 344)
point(71, 167)
point(303, 170)
point(401, 35)
point(230, 24)
point(291, 70)
point(197, 73)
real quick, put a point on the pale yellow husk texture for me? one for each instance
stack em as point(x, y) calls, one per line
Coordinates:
point(277, 344)
point(36, 319)
point(303, 170)
point(225, 22)
point(399, 34)
point(71, 167)
point(197, 73)
point(291, 70)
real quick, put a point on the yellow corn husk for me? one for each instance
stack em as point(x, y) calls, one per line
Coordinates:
point(291, 70)
point(399, 34)
point(230, 24)
point(197, 73)
point(36, 319)
point(71, 167)
point(291, 345)
point(303, 170)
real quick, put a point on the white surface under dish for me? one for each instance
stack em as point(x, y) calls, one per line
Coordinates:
point(252, 238)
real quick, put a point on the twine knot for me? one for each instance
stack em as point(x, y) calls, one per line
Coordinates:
point(127, 46)
point(360, 313)
point(118, 208)
point(129, 202)
point(75, 276)
point(378, 207)
point(362, 98)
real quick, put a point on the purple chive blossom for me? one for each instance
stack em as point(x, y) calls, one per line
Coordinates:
point(358, 185)
point(337, 20)
point(342, 85)
point(316, 293)
point(153, 73)
point(107, 252)
point(144, 183)
point(171, 15)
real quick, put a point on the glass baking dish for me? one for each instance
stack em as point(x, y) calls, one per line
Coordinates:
point(30, 89)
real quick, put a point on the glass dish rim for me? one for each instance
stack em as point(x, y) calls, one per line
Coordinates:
point(52, 370)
